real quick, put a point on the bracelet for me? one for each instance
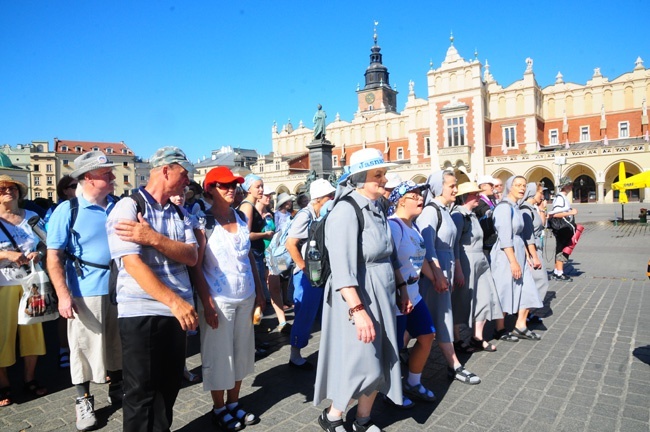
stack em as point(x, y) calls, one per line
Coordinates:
point(352, 310)
point(403, 284)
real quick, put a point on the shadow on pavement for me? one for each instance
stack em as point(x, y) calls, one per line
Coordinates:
point(642, 353)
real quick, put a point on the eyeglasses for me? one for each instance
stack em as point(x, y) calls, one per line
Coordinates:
point(226, 186)
point(414, 198)
point(11, 189)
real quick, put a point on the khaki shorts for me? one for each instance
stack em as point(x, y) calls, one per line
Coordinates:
point(94, 340)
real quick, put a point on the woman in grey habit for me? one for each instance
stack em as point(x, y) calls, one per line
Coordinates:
point(358, 348)
point(510, 269)
point(439, 233)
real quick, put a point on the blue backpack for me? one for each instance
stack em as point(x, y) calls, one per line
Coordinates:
point(277, 256)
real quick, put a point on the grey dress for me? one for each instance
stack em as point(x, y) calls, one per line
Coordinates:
point(532, 217)
point(347, 367)
point(514, 294)
point(440, 245)
point(477, 300)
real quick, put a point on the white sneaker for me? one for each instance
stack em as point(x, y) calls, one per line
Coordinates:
point(85, 407)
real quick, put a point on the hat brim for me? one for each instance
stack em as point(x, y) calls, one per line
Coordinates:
point(368, 168)
point(81, 171)
point(22, 187)
point(284, 200)
point(465, 192)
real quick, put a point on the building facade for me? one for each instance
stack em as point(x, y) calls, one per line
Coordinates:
point(469, 123)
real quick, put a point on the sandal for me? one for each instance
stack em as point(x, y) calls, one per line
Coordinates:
point(356, 427)
point(505, 335)
point(463, 375)
point(419, 392)
point(231, 425)
point(463, 347)
point(5, 397)
point(480, 345)
point(34, 389)
point(247, 418)
point(64, 358)
point(326, 424)
point(526, 334)
point(406, 402)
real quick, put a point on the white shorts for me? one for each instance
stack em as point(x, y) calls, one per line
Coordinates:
point(94, 339)
point(228, 352)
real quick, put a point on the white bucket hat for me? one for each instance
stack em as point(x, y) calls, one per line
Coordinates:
point(485, 179)
point(393, 180)
point(320, 188)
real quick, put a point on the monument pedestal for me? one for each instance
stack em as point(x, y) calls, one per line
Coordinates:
point(320, 157)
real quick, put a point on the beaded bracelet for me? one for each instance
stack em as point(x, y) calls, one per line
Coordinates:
point(352, 310)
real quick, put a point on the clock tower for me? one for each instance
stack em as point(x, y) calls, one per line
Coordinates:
point(377, 96)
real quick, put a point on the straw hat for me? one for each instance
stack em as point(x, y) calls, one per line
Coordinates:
point(467, 187)
point(21, 186)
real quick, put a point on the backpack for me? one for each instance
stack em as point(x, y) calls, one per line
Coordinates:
point(317, 234)
point(467, 220)
point(487, 225)
point(112, 265)
point(277, 256)
point(207, 216)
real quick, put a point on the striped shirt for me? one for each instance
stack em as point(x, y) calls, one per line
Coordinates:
point(131, 298)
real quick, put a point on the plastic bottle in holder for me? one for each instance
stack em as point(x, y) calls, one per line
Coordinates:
point(314, 262)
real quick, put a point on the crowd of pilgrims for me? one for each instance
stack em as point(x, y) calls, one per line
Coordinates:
point(410, 264)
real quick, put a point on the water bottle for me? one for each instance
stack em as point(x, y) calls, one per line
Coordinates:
point(313, 263)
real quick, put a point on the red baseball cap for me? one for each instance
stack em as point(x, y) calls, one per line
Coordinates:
point(221, 174)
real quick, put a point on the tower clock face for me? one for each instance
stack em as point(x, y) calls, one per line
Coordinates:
point(370, 98)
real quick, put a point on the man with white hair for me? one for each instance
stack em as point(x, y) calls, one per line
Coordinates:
point(153, 242)
point(78, 265)
point(306, 298)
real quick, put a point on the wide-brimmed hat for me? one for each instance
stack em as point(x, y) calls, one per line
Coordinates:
point(467, 187)
point(367, 159)
point(283, 198)
point(170, 155)
point(320, 188)
point(90, 161)
point(485, 179)
point(564, 181)
point(223, 175)
point(21, 186)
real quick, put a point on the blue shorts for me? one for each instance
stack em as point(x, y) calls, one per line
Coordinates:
point(418, 323)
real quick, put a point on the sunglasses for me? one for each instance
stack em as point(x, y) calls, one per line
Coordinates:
point(226, 186)
point(4, 189)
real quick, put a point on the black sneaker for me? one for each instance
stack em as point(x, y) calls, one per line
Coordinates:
point(562, 278)
point(328, 426)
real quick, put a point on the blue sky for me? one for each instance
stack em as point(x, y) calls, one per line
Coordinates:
point(203, 74)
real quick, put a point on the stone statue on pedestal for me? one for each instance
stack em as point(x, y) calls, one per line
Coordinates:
point(319, 124)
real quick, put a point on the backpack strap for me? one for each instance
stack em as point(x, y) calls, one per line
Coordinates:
point(78, 262)
point(439, 211)
point(9, 236)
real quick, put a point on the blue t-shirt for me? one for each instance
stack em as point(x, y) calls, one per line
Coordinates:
point(89, 243)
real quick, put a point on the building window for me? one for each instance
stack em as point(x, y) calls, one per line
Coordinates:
point(64, 148)
point(50, 194)
point(109, 150)
point(37, 194)
point(78, 149)
point(95, 148)
point(37, 167)
point(427, 146)
point(125, 164)
point(584, 133)
point(126, 192)
point(261, 167)
point(335, 161)
point(126, 179)
point(455, 131)
point(141, 178)
point(48, 167)
point(624, 130)
point(123, 151)
point(66, 162)
point(37, 181)
point(277, 165)
point(553, 136)
point(509, 136)
point(400, 153)
point(50, 180)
